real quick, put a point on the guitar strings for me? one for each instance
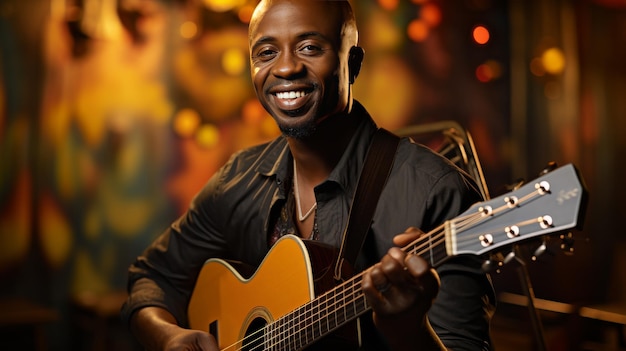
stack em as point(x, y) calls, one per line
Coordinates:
point(510, 203)
point(351, 292)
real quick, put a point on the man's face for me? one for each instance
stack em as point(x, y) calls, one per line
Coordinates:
point(299, 65)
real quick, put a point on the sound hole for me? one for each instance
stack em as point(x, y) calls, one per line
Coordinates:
point(255, 339)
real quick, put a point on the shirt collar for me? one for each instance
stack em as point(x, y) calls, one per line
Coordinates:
point(276, 156)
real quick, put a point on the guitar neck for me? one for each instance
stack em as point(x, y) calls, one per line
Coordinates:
point(552, 204)
point(335, 308)
point(318, 318)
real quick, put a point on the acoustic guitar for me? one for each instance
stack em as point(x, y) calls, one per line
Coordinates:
point(284, 305)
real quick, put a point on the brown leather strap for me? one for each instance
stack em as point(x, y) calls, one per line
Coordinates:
point(373, 177)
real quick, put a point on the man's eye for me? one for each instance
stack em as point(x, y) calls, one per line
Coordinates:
point(265, 54)
point(311, 49)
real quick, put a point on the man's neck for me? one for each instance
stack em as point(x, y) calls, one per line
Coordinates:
point(318, 154)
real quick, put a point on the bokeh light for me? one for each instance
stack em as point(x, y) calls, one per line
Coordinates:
point(389, 5)
point(234, 62)
point(536, 67)
point(186, 122)
point(245, 13)
point(488, 71)
point(553, 60)
point(481, 35)
point(431, 14)
point(223, 5)
point(253, 112)
point(418, 30)
point(208, 136)
point(188, 30)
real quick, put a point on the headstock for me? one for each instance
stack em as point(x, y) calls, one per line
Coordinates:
point(550, 205)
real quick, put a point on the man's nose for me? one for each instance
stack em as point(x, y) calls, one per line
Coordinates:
point(288, 65)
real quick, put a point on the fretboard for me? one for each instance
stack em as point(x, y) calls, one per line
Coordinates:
point(335, 308)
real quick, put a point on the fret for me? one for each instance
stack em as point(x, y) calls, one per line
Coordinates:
point(291, 335)
point(316, 321)
point(332, 315)
point(267, 332)
point(304, 324)
point(299, 331)
point(284, 330)
point(324, 326)
point(350, 303)
point(268, 337)
point(339, 308)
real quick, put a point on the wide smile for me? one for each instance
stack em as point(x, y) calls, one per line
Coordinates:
point(290, 95)
point(291, 100)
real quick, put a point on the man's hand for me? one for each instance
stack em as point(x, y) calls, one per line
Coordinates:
point(191, 340)
point(156, 329)
point(401, 289)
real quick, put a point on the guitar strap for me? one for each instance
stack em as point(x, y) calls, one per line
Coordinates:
point(373, 177)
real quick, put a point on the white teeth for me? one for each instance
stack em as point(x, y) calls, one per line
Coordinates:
point(290, 94)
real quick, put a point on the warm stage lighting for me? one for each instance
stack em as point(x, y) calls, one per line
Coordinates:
point(208, 136)
point(481, 35)
point(188, 30)
point(488, 71)
point(245, 13)
point(553, 61)
point(431, 14)
point(186, 122)
point(223, 5)
point(388, 4)
point(418, 30)
point(234, 62)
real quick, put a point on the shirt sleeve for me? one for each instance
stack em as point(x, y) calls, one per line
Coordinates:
point(165, 273)
point(463, 308)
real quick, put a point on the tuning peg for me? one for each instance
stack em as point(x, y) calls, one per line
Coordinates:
point(540, 250)
point(509, 257)
point(567, 243)
point(493, 263)
point(490, 265)
point(551, 166)
point(515, 185)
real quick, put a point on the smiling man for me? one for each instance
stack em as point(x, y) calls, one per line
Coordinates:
point(304, 59)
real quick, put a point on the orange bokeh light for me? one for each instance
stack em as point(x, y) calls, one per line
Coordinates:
point(488, 71)
point(186, 122)
point(388, 4)
point(418, 30)
point(431, 14)
point(481, 35)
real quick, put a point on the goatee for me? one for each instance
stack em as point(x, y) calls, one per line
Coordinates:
point(302, 131)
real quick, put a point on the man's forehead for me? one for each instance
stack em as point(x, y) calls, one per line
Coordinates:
point(327, 7)
point(317, 14)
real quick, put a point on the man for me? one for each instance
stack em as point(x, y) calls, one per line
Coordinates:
point(304, 60)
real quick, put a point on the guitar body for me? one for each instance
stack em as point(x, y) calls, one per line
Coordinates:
point(231, 306)
point(292, 300)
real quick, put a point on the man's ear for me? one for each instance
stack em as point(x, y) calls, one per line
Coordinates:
point(354, 62)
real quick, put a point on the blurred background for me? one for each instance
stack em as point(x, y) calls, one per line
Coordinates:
point(113, 114)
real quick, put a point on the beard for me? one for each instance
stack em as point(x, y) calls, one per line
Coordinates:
point(301, 131)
